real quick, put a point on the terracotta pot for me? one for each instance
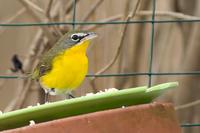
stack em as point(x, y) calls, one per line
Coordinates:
point(147, 118)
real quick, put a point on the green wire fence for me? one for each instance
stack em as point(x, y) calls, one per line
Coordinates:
point(150, 73)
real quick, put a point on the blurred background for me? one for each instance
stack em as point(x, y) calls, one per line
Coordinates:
point(119, 48)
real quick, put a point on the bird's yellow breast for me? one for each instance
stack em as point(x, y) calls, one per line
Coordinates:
point(68, 69)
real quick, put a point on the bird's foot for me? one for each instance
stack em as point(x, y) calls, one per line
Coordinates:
point(69, 96)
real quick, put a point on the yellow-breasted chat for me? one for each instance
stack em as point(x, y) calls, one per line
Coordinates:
point(64, 66)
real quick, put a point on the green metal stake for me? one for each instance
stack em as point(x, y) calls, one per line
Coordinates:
point(74, 15)
point(152, 44)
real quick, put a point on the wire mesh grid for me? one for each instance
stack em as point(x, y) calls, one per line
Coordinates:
point(150, 73)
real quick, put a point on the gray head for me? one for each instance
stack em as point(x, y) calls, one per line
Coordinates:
point(71, 39)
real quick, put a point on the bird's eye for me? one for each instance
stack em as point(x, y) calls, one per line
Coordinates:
point(74, 37)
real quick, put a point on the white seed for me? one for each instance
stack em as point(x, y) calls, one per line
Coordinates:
point(123, 107)
point(89, 94)
point(31, 122)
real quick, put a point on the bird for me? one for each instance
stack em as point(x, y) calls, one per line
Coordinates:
point(64, 66)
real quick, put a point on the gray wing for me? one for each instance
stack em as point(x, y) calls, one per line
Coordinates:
point(41, 69)
point(45, 63)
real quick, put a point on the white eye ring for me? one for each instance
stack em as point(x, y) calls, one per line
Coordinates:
point(74, 37)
